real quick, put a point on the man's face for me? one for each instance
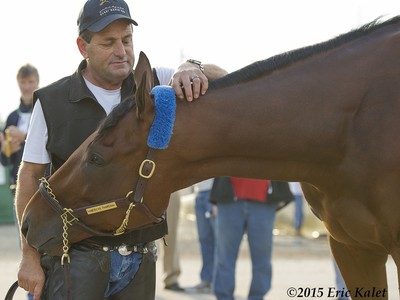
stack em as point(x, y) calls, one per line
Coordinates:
point(27, 86)
point(110, 55)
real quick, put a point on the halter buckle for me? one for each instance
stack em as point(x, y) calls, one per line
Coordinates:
point(153, 167)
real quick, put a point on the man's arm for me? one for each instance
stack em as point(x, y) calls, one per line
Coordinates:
point(30, 274)
point(193, 81)
point(213, 72)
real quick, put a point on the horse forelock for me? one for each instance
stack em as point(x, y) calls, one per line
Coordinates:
point(114, 117)
point(267, 66)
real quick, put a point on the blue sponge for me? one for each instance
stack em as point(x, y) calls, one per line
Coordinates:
point(163, 124)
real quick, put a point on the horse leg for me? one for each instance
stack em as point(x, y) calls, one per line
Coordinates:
point(363, 271)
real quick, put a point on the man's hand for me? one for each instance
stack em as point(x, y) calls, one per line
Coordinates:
point(189, 81)
point(16, 134)
point(30, 275)
point(11, 142)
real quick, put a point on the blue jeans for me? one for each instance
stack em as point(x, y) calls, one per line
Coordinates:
point(206, 232)
point(298, 211)
point(233, 220)
point(123, 269)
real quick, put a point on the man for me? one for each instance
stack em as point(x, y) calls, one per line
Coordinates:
point(68, 111)
point(18, 121)
point(243, 207)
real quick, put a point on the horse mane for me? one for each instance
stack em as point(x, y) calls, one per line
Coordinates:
point(115, 115)
point(264, 67)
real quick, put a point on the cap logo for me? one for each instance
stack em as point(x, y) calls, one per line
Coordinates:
point(97, 14)
point(112, 9)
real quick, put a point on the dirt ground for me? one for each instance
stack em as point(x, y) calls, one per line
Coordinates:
point(299, 263)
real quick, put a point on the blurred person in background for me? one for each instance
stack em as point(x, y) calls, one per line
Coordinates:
point(243, 208)
point(205, 220)
point(16, 127)
point(17, 123)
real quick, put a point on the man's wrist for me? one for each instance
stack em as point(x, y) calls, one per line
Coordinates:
point(198, 63)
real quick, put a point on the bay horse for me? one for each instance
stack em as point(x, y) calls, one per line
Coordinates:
point(326, 115)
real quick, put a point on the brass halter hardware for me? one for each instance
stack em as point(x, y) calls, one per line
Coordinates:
point(153, 167)
point(66, 222)
point(65, 248)
point(122, 228)
point(48, 188)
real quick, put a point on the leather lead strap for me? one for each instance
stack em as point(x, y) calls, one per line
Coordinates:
point(67, 281)
point(11, 291)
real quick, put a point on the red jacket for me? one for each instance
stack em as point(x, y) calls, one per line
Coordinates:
point(250, 189)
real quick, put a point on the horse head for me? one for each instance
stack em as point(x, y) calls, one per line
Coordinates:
point(103, 188)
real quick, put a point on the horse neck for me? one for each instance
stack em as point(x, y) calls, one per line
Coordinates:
point(265, 129)
point(291, 124)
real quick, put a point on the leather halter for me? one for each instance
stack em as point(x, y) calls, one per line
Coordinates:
point(133, 199)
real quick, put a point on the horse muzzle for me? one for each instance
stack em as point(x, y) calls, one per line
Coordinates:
point(43, 242)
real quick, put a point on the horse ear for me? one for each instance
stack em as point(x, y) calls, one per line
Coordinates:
point(144, 80)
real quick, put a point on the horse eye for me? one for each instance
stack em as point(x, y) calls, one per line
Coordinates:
point(96, 159)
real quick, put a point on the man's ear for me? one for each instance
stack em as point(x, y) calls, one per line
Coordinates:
point(82, 47)
point(144, 83)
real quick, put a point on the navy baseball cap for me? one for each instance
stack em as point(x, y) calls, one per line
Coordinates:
point(97, 14)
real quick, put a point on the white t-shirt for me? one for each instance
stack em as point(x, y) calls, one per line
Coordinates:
point(35, 146)
point(23, 122)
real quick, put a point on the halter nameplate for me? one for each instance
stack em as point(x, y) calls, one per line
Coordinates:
point(101, 208)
